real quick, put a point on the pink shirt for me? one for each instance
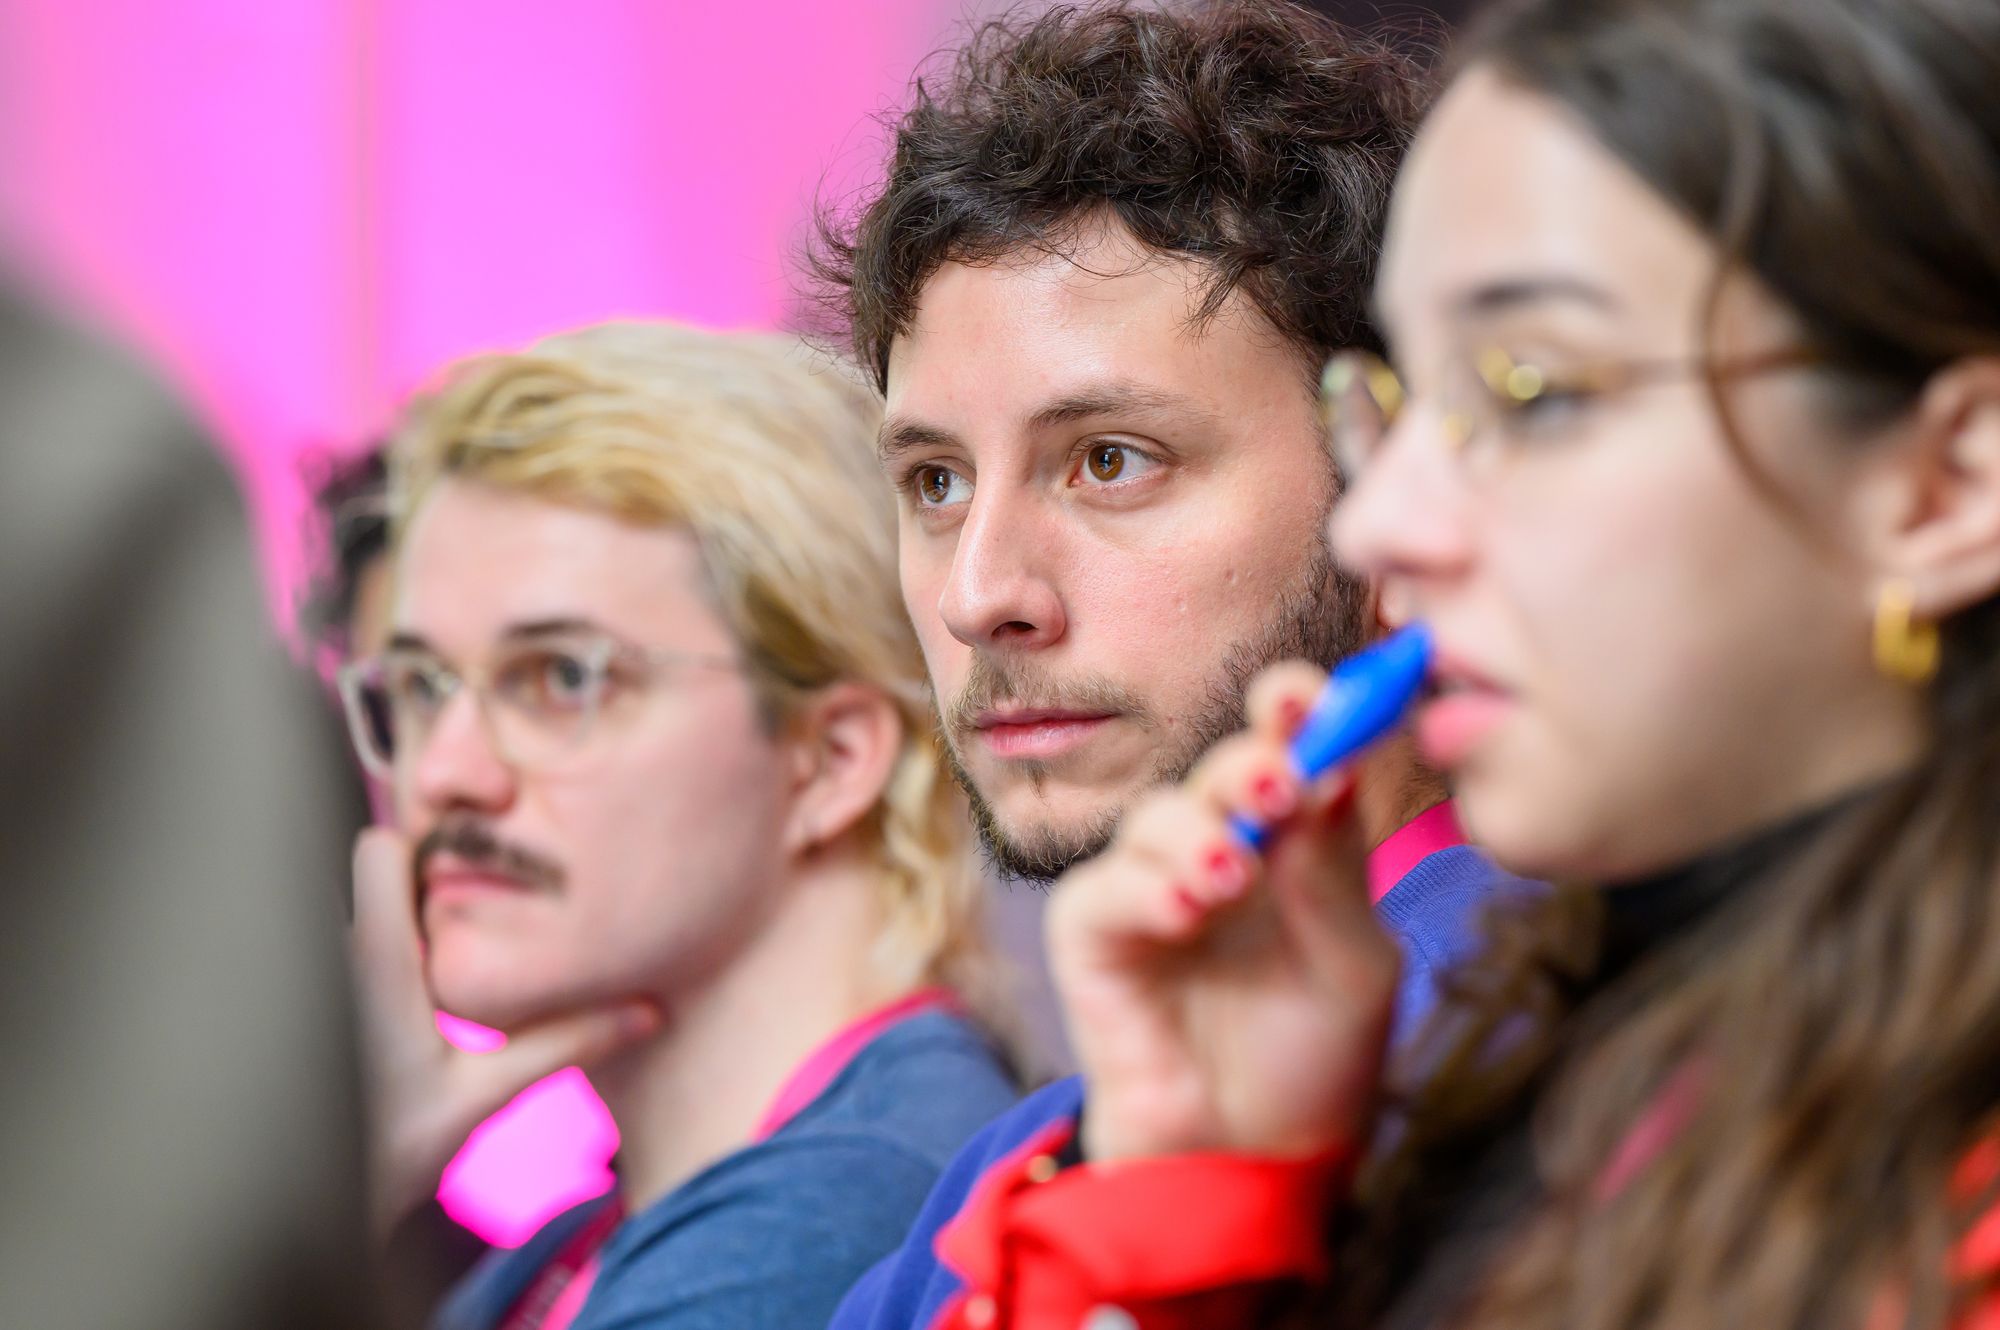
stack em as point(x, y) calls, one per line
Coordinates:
point(1420, 838)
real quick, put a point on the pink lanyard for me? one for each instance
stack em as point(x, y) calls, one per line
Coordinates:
point(831, 1058)
point(559, 1289)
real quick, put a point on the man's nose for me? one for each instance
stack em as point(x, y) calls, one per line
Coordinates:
point(455, 763)
point(1004, 584)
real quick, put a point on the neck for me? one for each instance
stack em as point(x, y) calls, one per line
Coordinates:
point(696, 1090)
point(1394, 787)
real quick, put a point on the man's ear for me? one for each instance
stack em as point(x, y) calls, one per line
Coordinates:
point(845, 741)
point(1942, 536)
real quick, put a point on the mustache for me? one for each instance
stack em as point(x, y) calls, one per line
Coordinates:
point(994, 680)
point(473, 840)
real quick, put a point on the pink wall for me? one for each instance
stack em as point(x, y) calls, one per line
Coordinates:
point(300, 208)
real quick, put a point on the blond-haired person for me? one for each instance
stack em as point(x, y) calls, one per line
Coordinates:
point(659, 740)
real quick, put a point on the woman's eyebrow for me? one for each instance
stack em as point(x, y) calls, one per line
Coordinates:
point(1506, 294)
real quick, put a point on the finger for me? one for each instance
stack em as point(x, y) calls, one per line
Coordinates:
point(1186, 838)
point(1141, 891)
point(1318, 881)
point(1249, 776)
point(577, 1039)
point(387, 941)
point(1280, 698)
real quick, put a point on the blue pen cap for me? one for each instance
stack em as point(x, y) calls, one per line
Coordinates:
point(1364, 696)
point(1363, 699)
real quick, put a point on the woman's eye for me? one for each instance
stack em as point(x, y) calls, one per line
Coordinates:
point(939, 486)
point(1552, 406)
point(1108, 462)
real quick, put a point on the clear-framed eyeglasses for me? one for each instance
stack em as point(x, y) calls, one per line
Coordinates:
point(539, 699)
point(1490, 401)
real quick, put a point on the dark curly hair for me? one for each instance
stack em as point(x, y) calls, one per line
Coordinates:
point(350, 507)
point(1255, 136)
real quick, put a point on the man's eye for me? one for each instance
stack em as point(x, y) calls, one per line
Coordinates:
point(565, 676)
point(550, 681)
point(416, 689)
point(939, 486)
point(1106, 462)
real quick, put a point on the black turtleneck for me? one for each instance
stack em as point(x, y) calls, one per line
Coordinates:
point(1486, 1202)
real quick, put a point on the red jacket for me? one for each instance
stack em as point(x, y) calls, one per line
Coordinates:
point(1194, 1242)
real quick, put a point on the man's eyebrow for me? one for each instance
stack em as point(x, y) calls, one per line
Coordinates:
point(526, 630)
point(907, 436)
point(556, 627)
point(1113, 399)
point(901, 436)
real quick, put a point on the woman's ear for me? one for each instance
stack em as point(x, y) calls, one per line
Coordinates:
point(845, 740)
point(1386, 611)
point(1943, 539)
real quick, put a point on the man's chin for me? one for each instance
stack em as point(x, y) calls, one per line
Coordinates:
point(1022, 837)
point(496, 996)
point(1037, 850)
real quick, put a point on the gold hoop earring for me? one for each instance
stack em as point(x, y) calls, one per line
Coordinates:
point(1906, 648)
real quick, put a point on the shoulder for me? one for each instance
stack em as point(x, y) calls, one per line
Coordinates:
point(927, 1084)
point(1436, 906)
point(905, 1290)
point(491, 1288)
point(773, 1234)
point(1437, 912)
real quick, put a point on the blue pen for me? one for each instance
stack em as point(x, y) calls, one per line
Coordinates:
point(1363, 699)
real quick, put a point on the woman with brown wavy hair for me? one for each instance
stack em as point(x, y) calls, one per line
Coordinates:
point(1693, 469)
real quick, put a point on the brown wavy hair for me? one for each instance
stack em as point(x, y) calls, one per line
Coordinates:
point(1845, 1023)
point(1255, 136)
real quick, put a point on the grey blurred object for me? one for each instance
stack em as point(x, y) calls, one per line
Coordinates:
point(180, 1122)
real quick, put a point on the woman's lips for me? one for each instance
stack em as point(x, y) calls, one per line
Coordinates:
point(1465, 704)
point(1036, 735)
point(1451, 725)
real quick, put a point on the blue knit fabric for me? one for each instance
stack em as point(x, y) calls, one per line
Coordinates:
point(774, 1233)
point(1433, 909)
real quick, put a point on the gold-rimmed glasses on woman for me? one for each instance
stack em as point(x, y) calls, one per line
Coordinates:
point(1492, 398)
point(538, 698)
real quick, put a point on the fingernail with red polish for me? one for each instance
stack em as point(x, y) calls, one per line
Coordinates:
point(1292, 711)
point(1274, 797)
point(1226, 872)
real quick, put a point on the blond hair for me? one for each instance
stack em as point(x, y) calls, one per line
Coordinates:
point(764, 452)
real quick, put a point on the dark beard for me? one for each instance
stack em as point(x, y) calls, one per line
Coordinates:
point(1319, 618)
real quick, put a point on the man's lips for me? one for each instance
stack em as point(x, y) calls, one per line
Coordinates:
point(447, 876)
point(1037, 733)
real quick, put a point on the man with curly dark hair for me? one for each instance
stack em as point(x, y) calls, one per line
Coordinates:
point(1113, 248)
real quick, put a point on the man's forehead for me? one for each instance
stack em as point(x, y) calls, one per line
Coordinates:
point(479, 562)
point(1034, 337)
point(1117, 285)
point(1134, 401)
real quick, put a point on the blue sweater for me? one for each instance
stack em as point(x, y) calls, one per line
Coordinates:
point(774, 1233)
point(1434, 909)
